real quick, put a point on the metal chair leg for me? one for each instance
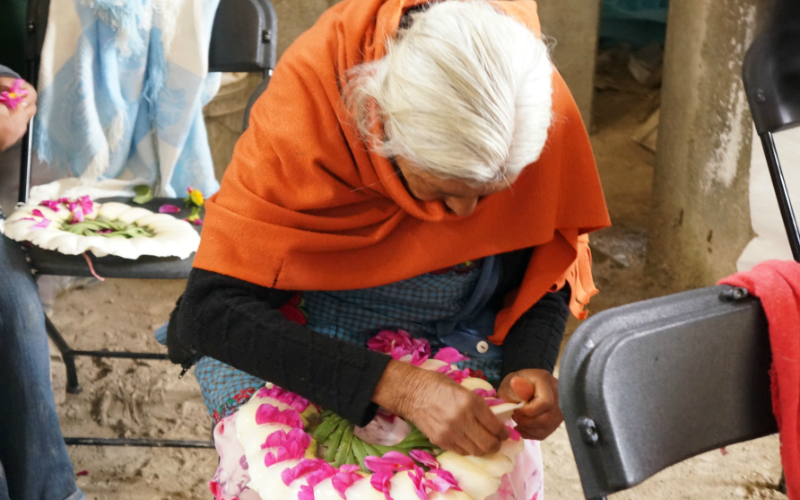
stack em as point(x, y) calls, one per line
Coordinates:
point(67, 354)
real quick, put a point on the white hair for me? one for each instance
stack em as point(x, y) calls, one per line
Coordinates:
point(464, 93)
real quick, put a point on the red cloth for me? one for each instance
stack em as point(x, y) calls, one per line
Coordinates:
point(777, 284)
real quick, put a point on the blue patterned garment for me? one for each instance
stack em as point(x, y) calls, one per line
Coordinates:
point(121, 93)
point(418, 305)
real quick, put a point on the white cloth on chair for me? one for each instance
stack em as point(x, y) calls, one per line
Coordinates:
point(122, 84)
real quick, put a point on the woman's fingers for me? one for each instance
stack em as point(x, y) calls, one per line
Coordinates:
point(540, 415)
point(483, 442)
point(545, 397)
point(29, 102)
point(523, 389)
point(539, 427)
point(490, 421)
point(478, 431)
point(452, 417)
point(540, 423)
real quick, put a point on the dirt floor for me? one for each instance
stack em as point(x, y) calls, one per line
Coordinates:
point(134, 399)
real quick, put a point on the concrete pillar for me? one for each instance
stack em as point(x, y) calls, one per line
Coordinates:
point(700, 221)
point(574, 25)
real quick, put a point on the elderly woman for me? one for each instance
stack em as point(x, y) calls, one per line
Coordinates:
point(413, 166)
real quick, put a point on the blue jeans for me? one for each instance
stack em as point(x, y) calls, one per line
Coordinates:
point(34, 464)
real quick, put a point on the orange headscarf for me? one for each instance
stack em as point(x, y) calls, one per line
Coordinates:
point(305, 206)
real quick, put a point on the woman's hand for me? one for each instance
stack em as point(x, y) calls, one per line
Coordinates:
point(13, 124)
point(452, 417)
point(539, 390)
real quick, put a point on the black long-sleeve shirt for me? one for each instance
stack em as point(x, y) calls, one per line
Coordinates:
point(238, 323)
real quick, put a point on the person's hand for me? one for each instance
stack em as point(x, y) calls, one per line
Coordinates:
point(452, 417)
point(13, 124)
point(540, 415)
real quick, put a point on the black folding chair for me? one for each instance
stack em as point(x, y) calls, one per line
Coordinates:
point(243, 39)
point(647, 385)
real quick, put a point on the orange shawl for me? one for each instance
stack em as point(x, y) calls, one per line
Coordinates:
point(305, 206)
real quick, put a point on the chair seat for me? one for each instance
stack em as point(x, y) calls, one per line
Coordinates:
point(145, 267)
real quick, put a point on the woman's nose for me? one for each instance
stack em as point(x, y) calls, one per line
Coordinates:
point(461, 206)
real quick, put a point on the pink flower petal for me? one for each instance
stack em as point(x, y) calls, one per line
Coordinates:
point(274, 440)
point(168, 209)
point(441, 481)
point(422, 346)
point(14, 95)
point(267, 413)
point(484, 393)
point(51, 204)
point(295, 401)
point(456, 375)
point(42, 224)
point(418, 477)
point(305, 467)
point(380, 481)
point(77, 216)
point(87, 205)
point(37, 212)
point(418, 358)
point(387, 340)
point(397, 353)
point(349, 468)
point(514, 434)
point(449, 355)
point(289, 451)
point(424, 458)
point(343, 480)
point(322, 473)
point(298, 435)
point(495, 401)
point(306, 493)
point(392, 461)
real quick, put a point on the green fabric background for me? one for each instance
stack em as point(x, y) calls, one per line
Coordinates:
point(12, 33)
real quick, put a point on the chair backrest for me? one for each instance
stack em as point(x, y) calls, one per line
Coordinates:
point(650, 384)
point(771, 77)
point(243, 39)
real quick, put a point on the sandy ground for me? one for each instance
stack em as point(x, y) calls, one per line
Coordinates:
point(133, 399)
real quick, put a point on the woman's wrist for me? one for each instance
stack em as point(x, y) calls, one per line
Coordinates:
point(396, 387)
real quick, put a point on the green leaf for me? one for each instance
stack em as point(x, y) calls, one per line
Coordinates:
point(143, 194)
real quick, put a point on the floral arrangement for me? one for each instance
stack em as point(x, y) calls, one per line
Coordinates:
point(14, 96)
point(76, 226)
point(294, 452)
point(194, 202)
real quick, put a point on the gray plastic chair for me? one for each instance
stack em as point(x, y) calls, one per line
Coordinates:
point(647, 385)
point(243, 39)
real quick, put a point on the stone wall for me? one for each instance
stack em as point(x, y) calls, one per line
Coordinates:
point(573, 25)
point(296, 16)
